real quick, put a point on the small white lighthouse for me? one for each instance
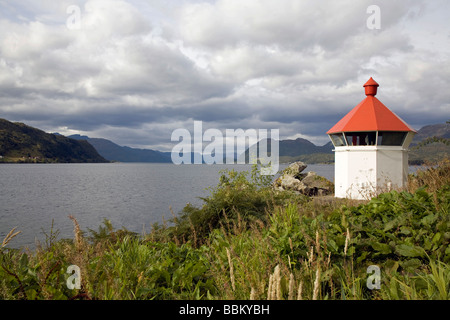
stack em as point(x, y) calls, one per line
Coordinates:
point(371, 149)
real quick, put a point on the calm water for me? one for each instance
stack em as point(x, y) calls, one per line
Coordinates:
point(132, 195)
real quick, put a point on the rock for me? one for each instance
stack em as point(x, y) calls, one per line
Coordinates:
point(309, 184)
point(291, 183)
point(310, 178)
point(290, 177)
point(317, 185)
point(295, 169)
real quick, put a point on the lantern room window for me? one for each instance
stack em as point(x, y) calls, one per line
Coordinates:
point(361, 138)
point(338, 139)
point(389, 138)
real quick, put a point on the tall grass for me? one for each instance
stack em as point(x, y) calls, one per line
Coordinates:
point(249, 242)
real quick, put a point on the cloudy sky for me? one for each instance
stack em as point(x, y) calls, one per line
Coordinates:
point(133, 71)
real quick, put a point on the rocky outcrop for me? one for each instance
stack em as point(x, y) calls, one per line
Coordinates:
point(310, 184)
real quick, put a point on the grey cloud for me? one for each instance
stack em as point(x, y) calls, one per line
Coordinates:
point(135, 71)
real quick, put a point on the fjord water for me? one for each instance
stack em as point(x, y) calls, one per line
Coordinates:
point(130, 195)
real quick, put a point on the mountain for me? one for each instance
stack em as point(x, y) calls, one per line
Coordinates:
point(302, 146)
point(431, 144)
point(440, 130)
point(22, 143)
point(304, 150)
point(299, 150)
point(113, 152)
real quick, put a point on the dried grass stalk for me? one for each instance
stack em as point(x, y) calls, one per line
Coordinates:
point(279, 293)
point(299, 291)
point(269, 290)
point(253, 294)
point(317, 242)
point(231, 270)
point(347, 240)
point(274, 291)
point(291, 287)
point(9, 237)
point(316, 285)
point(77, 233)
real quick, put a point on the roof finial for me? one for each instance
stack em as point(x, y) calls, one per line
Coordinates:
point(371, 87)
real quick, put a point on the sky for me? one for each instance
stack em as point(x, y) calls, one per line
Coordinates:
point(134, 71)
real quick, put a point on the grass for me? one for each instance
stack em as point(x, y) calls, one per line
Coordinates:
point(248, 241)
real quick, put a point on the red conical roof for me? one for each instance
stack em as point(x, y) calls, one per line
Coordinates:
point(370, 115)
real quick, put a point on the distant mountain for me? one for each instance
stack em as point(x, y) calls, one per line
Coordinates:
point(299, 150)
point(302, 146)
point(22, 143)
point(431, 144)
point(113, 152)
point(440, 130)
point(304, 150)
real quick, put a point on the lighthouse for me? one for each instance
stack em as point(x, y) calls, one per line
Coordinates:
point(371, 148)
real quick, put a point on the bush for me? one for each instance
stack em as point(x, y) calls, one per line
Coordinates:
point(237, 197)
point(135, 269)
point(403, 226)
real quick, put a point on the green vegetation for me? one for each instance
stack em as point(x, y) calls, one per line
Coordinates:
point(250, 242)
point(237, 197)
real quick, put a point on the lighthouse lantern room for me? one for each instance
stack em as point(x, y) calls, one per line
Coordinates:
point(371, 148)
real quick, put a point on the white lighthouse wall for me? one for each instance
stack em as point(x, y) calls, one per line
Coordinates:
point(363, 171)
point(362, 177)
point(355, 172)
point(340, 172)
point(392, 168)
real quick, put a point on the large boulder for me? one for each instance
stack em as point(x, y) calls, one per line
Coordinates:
point(295, 169)
point(291, 183)
point(309, 184)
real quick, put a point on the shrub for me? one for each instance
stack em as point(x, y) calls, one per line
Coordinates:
point(239, 195)
point(400, 225)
